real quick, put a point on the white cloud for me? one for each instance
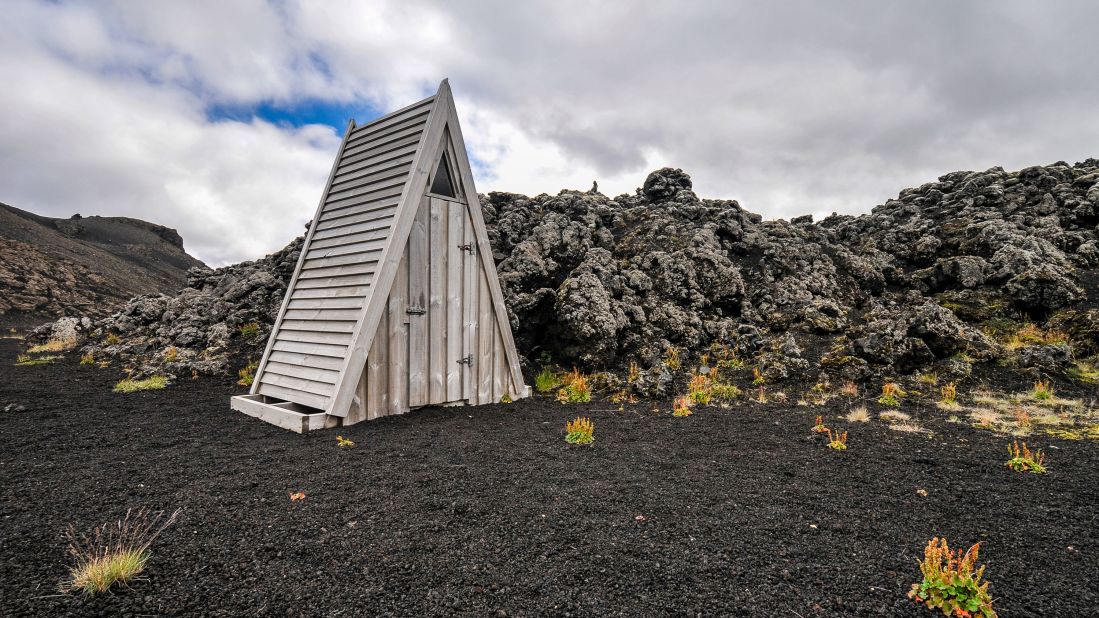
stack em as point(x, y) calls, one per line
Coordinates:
point(790, 107)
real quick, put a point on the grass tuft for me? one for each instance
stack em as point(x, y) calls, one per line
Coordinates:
point(53, 345)
point(858, 415)
point(113, 553)
point(151, 383)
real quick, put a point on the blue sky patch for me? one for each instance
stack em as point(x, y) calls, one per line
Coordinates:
point(299, 113)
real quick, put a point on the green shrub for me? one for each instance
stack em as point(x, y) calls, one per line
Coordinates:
point(546, 380)
point(950, 582)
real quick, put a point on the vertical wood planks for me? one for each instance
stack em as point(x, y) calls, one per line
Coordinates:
point(418, 279)
point(377, 372)
point(436, 312)
point(398, 339)
point(485, 343)
point(499, 381)
point(455, 260)
point(471, 290)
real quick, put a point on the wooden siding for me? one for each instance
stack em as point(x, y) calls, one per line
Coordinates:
point(395, 287)
point(332, 283)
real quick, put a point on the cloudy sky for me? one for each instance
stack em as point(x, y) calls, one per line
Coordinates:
point(221, 118)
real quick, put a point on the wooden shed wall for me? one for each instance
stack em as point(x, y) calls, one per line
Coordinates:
point(353, 223)
point(413, 359)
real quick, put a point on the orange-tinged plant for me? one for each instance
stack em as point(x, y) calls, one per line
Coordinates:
point(1022, 418)
point(575, 389)
point(1043, 390)
point(818, 425)
point(837, 441)
point(1024, 460)
point(700, 389)
point(950, 394)
point(891, 394)
point(580, 431)
point(297, 496)
point(681, 407)
point(757, 376)
point(951, 583)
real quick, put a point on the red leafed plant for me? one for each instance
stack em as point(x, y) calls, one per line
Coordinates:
point(951, 583)
point(818, 425)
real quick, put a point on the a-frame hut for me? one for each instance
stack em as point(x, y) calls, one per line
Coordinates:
point(395, 303)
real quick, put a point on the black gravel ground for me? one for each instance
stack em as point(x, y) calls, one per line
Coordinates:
point(487, 511)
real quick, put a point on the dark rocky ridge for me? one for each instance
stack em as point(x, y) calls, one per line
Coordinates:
point(84, 265)
point(600, 282)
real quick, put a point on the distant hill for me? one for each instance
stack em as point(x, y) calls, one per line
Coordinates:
point(85, 265)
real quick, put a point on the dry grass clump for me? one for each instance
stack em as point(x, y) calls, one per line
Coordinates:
point(908, 427)
point(893, 416)
point(671, 358)
point(858, 415)
point(24, 360)
point(53, 345)
point(983, 417)
point(113, 553)
point(1030, 335)
point(580, 431)
point(849, 389)
point(148, 384)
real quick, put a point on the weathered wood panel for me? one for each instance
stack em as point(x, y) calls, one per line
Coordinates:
point(455, 259)
point(436, 357)
point(418, 281)
point(486, 345)
point(305, 360)
point(353, 173)
point(398, 123)
point(471, 291)
point(295, 395)
point(398, 339)
point(377, 372)
point(374, 157)
point(335, 217)
point(380, 175)
point(345, 326)
point(299, 371)
point(328, 315)
point(346, 292)
point(317, 349)
point(499, 357)
point(422, 106)
point(359, 280)
point(332, 226)
point(360, 247)
point(335, 302)
point(308, 386)
point(306, 336)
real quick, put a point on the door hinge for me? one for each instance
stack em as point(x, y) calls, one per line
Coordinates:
point(467, 247)
point(415, 311)
point(468, 360)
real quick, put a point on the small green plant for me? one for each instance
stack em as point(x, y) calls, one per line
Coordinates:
point(818, 425)
point(671, 358)
point(837, 441)
point(171, 353)
point(757, 377)
point(343, 442)
point(247, 373)
point(249, 330)
point(580, 431)
point(1023, 460)
point(148, 384)
point(1085, 371)
point(634, 375)
point(891, 395)
point(725, 392)
point(87, 359)
point(506, 398)
point(575, 389)
point(928, 378)
point(546, 380)
point(700, 389)
point(949, 394)
point(681, 407)
point(112, 339)
point(951, 584)
point(1043, 390)
point(113, 553)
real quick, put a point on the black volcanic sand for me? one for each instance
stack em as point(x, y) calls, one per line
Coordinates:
point(488, 512)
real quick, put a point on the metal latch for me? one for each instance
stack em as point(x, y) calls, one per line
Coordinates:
point(467, 247)
point(468, 360)
point(415, 310)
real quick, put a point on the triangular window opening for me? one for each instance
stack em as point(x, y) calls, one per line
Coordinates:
point(442, 183)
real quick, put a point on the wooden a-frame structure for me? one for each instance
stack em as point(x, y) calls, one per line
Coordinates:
point(395, 303)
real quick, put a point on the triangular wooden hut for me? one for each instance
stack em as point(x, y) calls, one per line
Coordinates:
point(395, 303)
